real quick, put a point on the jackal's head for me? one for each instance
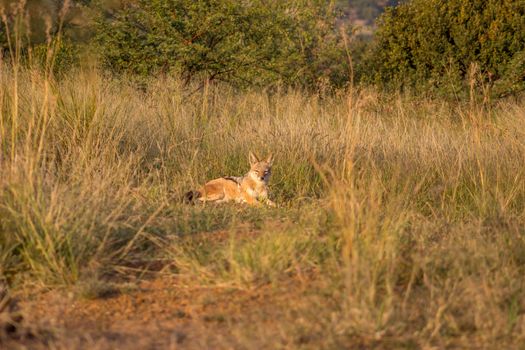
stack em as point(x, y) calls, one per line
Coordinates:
point(260, 170)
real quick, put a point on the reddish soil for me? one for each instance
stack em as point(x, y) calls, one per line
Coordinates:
point(161, 314)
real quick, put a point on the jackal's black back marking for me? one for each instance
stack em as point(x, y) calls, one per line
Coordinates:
point(236, 179)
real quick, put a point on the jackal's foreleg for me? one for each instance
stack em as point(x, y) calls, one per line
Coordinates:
point(270, 203)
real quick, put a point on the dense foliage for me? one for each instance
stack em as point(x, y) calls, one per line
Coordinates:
point(435, 43)
point(239, 42)
point(44, 33)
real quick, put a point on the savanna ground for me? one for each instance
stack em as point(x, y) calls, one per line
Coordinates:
point(400, 219)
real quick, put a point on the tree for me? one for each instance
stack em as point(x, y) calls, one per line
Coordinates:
point(240, 42)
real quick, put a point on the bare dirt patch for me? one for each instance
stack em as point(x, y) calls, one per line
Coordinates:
point(163, 314)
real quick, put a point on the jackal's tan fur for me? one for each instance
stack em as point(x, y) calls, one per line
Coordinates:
point(251, 188)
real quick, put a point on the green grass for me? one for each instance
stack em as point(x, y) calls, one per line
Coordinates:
point(406, 213)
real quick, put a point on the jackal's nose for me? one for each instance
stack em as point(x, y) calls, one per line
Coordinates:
point(262, 177)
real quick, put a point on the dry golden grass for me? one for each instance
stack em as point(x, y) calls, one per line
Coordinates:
point(405, 214)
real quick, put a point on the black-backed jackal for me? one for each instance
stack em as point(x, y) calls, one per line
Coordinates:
point(251, 188)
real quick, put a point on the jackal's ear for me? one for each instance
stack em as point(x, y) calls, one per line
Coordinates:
point(269, 160)
point(253, 158)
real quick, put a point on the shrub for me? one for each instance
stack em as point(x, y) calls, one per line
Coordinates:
point(59, 57)
point(434, 43)
point(33, 33)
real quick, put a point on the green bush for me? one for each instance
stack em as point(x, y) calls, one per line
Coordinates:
point(435, 43)
point(34, 33)
point(59, 57)
point(243, 43)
